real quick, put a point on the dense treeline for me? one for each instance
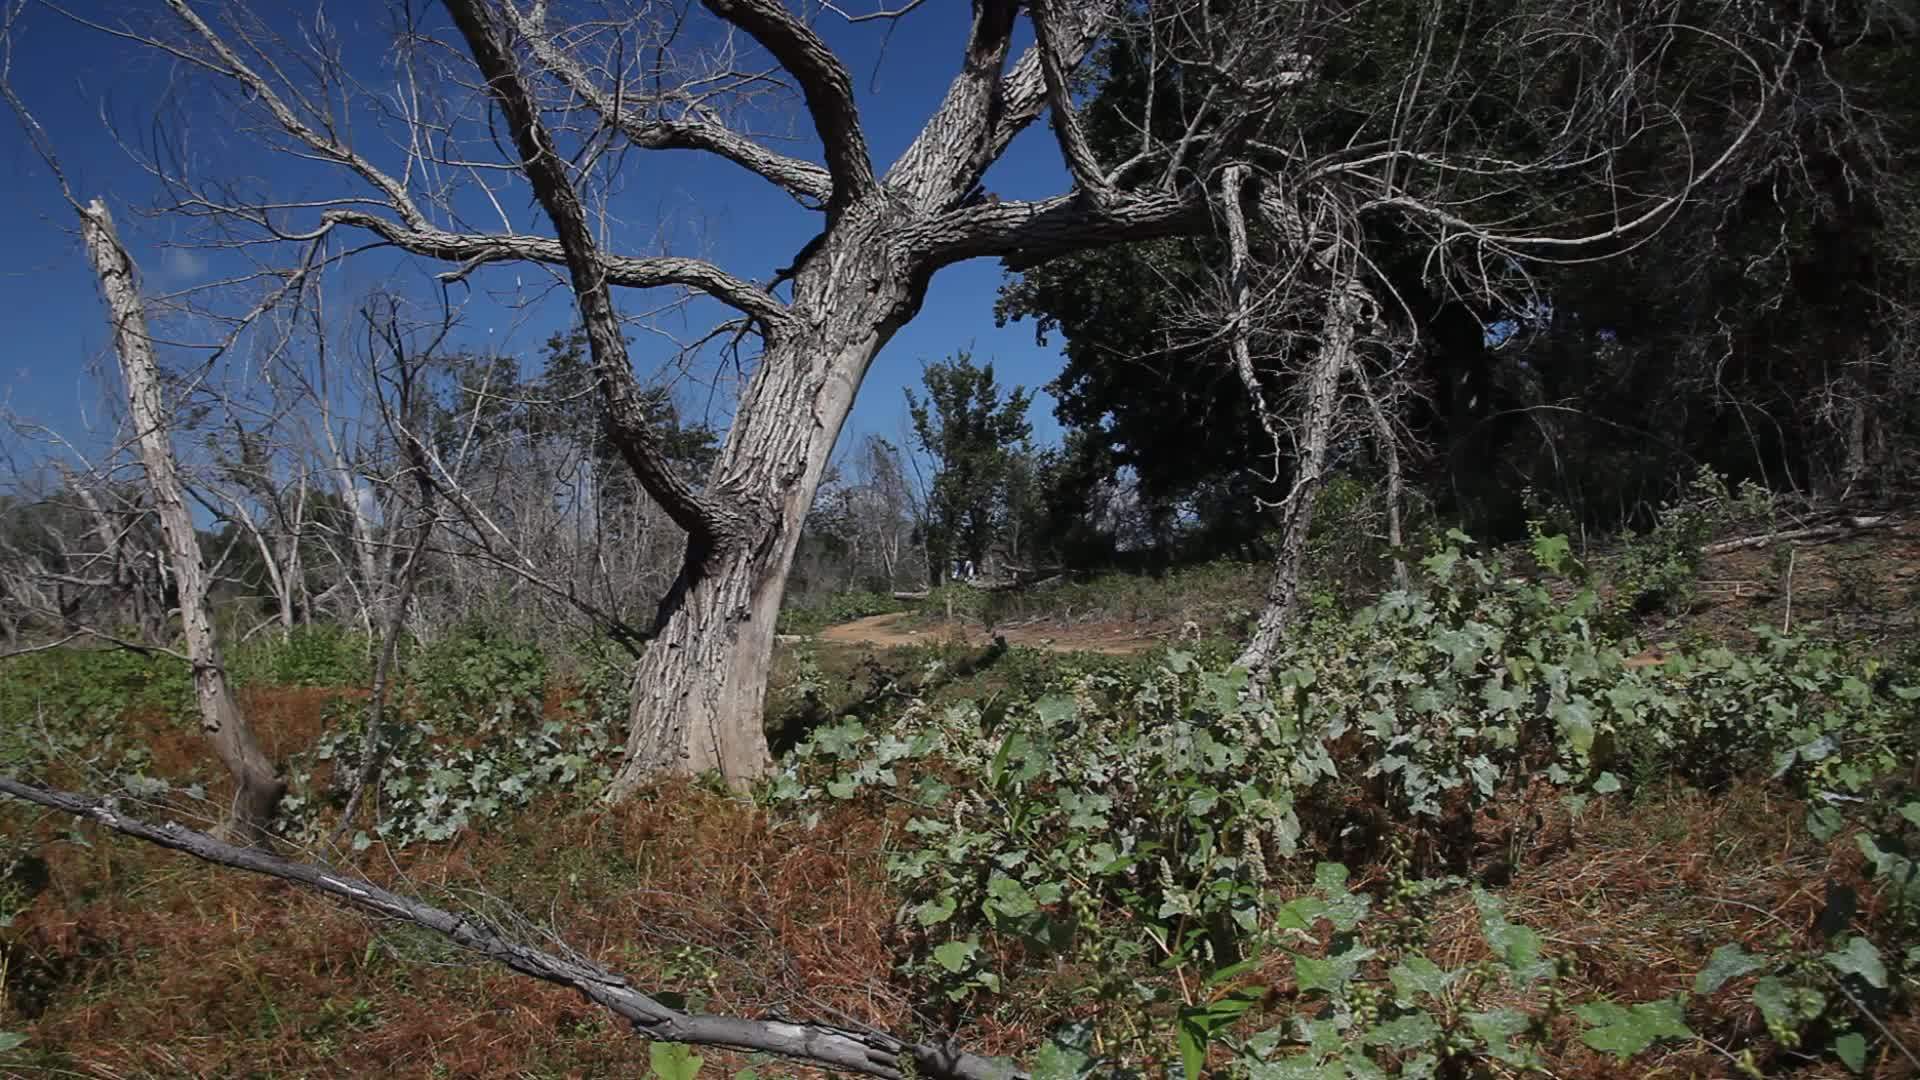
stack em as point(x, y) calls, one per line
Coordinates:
point(1764, 327)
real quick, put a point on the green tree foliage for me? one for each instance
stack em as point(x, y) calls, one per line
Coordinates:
point(973, 430)
point(1762, 329)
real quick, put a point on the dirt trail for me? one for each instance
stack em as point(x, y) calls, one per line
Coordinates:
point(886, 632)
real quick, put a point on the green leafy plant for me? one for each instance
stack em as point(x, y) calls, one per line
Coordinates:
point(673, 1061)
point(1144, 822)
point(1658, 569)
point(837, 608)
point(67, 705)
point(471, 741)
point(320, 654)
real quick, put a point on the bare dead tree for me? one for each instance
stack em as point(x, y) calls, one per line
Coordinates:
point(257, 784)
point(402, 415)
point(578, 95)
point(83, 557)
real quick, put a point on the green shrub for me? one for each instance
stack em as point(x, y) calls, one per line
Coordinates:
point(1657, 570)
point(468, 740)
point(1158, 813)
point(321, 654)
point(837, 608)
point(67, 705)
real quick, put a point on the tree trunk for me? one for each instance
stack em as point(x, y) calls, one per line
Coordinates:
point(1387, 444)
point(700, 687)
point(1346, 310)
point(257, 786)
point(373, 584)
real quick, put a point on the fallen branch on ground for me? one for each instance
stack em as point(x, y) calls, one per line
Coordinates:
point(1816, 532)
point(866, 1052)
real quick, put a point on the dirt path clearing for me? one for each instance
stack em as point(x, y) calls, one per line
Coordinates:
point(887, 632)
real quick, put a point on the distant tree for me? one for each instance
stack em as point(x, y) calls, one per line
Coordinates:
point(973, 432)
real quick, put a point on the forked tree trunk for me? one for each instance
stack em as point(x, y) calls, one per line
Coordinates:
point(699, 689)
point(257, 786)
point(1346, 310)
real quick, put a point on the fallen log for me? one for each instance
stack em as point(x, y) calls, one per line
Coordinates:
point(824, 1046)
point(1816, 532)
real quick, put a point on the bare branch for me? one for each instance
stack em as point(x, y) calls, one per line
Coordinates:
point(75, 636)
point(1233, 185)
point(472, 250)
point(630, 113)
point(225, 61)
point(1025, 234)
point(823, 81)
point(864, 1052)
point(704, 520)
point(960, 131)
point(983, 109)
point(1074, 148)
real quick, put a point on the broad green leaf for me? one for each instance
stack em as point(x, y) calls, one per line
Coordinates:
point(1495, 1027)
point(1626, 1031)
point(1607, 784)
point(11, 1040)
point(1297, 1067)
point(955, 955)
point(673, 1061)
point(1054, 709)
point(1728, 961)
point(1193, 1049)
point(1575, 717)
point(1422, 1067)
point(1824, 822)
point(1331, 973)
point(1419, 975)
point(1786, 1005)
point(1859, 957)
point(1300, 913)
point(1403, 1032)
point(935, 911)
point(1343, 909)
point(1008, 898)
point(1057, 1061)
point(1517, 945)
point(1552, 552)
point(1851, 1049)
point(1911, 812)
point(1223, 1011)
point(997, 767)
point(1234, 971)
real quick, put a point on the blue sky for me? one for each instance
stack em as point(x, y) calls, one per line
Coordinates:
point(73, 77)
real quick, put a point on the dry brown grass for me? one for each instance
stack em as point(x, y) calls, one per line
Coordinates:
point(163, 967)
point(155, 966)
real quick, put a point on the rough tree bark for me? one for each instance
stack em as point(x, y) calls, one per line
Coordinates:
point(1321, 404)
point(257, 785)
point(695, 687)
point(1348, 310)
